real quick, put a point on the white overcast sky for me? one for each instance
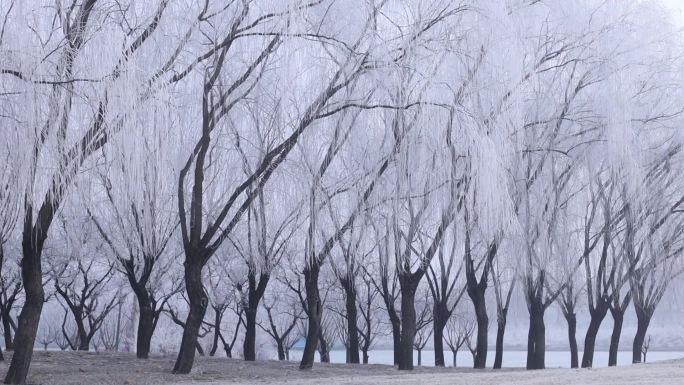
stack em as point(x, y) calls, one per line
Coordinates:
point(677, 8)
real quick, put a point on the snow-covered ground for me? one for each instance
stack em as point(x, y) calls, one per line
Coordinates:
point(78, 368)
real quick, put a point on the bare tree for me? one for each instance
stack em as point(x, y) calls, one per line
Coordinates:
point(52, 135)
point(283, 326)
point(645, 347)
point(371, 326)
point(136, 180)
point(444, 298)
point(423, 321)
point(459, 329)
point(388, 287)
point(503, 302)
point(46, 336)
point(82, 289)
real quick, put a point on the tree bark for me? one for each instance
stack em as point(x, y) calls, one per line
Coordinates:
point(146, 322)
point(323, 348)
point(438, 339)
point(281, 351)
point(571, 318)
point(643, 320)
point(440, 314)
point(249, 345)
point(25, 338)
point(396, 340)
point(7, 330)
point(217, 330)
point(198, 300)
point(454, 353)
point(83, 340)
point(256, 293)
point(500, 330)
point(408, 321)
point(394, 320)
point(313, 303)
point(597, 316)
point(365, 356)
point(477, 295)
point(352, 316)
point(618, 317)
point(536, 338)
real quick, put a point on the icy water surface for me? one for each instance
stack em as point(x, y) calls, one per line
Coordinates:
point(512, 358)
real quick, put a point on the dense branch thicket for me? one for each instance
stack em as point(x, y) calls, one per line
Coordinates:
point(264, 172)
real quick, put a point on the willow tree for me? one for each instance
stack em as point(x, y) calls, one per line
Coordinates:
point(10, 196)
point(386, 45)
point(135, 179)
point(263, 38)
point(58, 142)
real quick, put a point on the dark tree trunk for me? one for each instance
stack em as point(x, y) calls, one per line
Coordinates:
point(323, 348)
point(314, 310)
point(145, 326)
point(420, 360)
point(571, 318)
point(394, 320)
point(500, 330)
point(7, 329)
point(198, 306)
point(352, 328)
point(440, 316)
point(217, 330)
point(476, 291)
point(454, 353)
point(618, 317)
point(643, 320)
point(438, 341)
point(396, 341)
point(249, 345)
point(408, 321)
point(281, 351)
point(256, 293)
point(536, 337)
point(477, 295)
point(597, 316)
point(83, 340)
point(228, 350)
point(365, 356)
point(25, 338)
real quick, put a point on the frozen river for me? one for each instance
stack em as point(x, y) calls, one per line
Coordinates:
point(511, 358)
